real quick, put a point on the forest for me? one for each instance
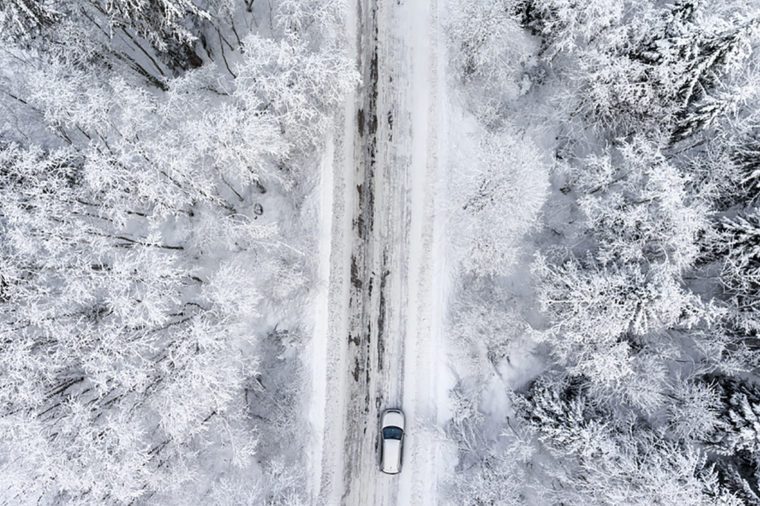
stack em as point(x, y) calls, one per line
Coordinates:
point(155, 160)
point(630, 134)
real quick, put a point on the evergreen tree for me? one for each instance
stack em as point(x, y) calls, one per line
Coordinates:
point(740, 247)
point(747, 157)
point(738, 438)
point(741, 417)
point(600, 458)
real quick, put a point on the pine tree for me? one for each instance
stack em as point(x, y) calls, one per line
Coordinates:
point(742, 241)
point(741, 417)
point(557, 411)
point(747, 157)
point(713, 55)
point(740, 248)
point(597, 457)
point(702, 114)
point(738, 438)
point(700, 61)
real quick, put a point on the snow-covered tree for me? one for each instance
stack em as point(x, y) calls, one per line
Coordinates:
point(158, 21)
point(491, 55)
point(742, 239)
point(500, 477)
point(741, 416)
point(494, 465)
point(114, 363)
point(24, 18)
point(737, 439)
point(137, 263)
point(694, 410)
point(638, 208)
point(653, 289)
point(565, 25)
point(484, 319)
point(740, 249)
point(298, 85)
point(634, 64)
point(613, 310)
point(707, 55)
point(597, 458)
point(499, 198)
point(607, 323)
point(747, 156)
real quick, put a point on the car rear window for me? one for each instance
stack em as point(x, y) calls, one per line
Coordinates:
point(392, 433)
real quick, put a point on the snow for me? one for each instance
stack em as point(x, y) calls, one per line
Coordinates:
point(328, 353)
point(317, 350)
point(426, 394)
point(402, 360)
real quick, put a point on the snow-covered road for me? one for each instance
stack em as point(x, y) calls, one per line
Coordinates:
point(377, 340)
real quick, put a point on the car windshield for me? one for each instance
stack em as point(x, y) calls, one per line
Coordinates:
point(392, 433)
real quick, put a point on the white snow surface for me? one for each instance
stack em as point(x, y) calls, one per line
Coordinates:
point(378, 337)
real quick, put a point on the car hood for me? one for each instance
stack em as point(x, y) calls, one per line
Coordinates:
point(393, 418)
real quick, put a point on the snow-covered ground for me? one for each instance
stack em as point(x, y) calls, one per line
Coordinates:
point(378, 341)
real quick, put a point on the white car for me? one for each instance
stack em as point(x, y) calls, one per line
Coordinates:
point(392, 434)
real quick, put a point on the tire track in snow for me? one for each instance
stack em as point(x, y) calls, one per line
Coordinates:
point(372, 367)
point(384, 176)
